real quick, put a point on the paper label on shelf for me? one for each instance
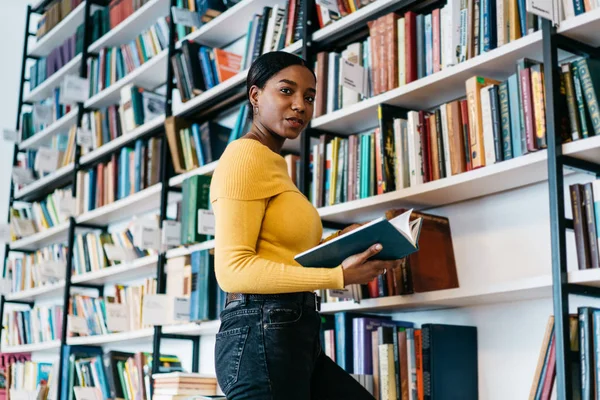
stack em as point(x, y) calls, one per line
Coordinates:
point(24, 227)
point(66, 204)
point(544, 8)
point(117, 253)
point(77, 325)
point(181, 308)
point(5, 236)
point(85, 138)
point(117, 317)
point(354, 77)
point(74, 90)
point(87, 393)
point(171, 233)
point(331, 5)
point(22, 176)
point(42, 113)
point(156, 309)
point(10, 136)
point(5, 286)
point(146, 237)
point(46, 159)
point(186, 17)
point(206, 222)
point(340, 293)
point(53, 269)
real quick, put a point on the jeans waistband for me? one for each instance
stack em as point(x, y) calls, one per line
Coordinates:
point(309, 299)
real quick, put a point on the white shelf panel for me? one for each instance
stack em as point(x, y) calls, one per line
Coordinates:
point(57, 234)
point(39, 293)
point(194, 329)
point(139, 268)
point(118, 142)
point(63, 30)
point(133, 25)
point(207, 169)
point(584, 27)
point(44, 137)
point(520, 290)
point(45, 89)
point(230, 25)
point(46, 180)
point(184, 251)
point(587, 277)
point(149, 75)
point(433, 90)
point(135, 204)
point(31, 348)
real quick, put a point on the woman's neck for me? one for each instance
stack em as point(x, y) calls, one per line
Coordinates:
point(266, 137)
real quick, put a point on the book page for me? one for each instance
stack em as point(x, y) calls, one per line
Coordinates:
point(402, 225)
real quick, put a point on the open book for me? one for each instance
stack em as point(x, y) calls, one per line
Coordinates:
point(398, 236)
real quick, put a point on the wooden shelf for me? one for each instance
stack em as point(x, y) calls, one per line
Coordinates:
point(149, 75)
point(39, 293)
point(44, 137)
point(32, 348)
point(138, 268)
point(133, 25)
point(63, 30)
point(129, 137)
point(185, 250)
point(46, 89)
point(60, 175)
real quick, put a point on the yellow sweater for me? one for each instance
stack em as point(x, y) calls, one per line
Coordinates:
point(262, 222)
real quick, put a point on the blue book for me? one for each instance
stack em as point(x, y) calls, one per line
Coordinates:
point(137, 182)
point(515, 123)
point(428, 45)
point(198, 144)
point(488, 25)
point(344, 354)
point(399, 237)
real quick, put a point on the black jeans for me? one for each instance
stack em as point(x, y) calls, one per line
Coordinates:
point(270, 350)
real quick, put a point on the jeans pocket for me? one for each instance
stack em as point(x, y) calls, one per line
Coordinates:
point(283, 316)
point(229, 348)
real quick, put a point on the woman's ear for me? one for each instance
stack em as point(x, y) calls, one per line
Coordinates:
point(253, 95)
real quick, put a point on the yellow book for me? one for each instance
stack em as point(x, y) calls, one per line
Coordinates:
point(539, 111)
point(514, 24)
point(474, 86)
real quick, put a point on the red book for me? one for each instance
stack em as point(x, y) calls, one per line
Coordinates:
point(527, 101)
point(410, 41)
point(464, 115)
point(550, 375)
point(437, 53)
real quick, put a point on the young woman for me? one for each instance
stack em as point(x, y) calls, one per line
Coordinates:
point(268, 346)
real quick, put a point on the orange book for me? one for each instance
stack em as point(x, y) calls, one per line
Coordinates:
point(419, 362)
point(228, 64)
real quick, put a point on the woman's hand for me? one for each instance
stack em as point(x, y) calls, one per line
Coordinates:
point(359, 269)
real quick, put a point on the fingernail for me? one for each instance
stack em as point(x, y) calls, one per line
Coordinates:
point(378, 247)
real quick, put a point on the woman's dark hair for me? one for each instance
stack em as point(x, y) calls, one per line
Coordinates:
point(269, 64)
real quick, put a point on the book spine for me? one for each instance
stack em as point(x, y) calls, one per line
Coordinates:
point(585, 341)
point(496, 125)
point(426, 360)
point(581, 239)
point(589, 92)
point(505, 121)
point(590, 222)
point(580, 101)
point(528, 113)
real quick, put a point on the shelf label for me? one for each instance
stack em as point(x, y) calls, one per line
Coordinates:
point(171, 233)
point(66, 204)
point(117, 253)
point(10, 136)
point(186, 17)
point(5, 234)
point(544, 8)
point(78, 325)
point(87, 393)
point(146, 237)
point(206, 222)
point(331, 5)
point(24, 227)
point(42, 113)
point(181, 308)
point(156, 310)
point(22, 176)
point(46, 159)
point(85, 138)
point(340, 293)
point(74, 90)
point(53, 269)
point(5, 286)
point(354, 77)
point(117, 317)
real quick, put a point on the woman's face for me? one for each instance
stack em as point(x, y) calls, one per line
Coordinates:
point(285, 104)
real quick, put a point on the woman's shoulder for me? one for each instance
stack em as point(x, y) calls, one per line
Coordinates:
point(248, 170)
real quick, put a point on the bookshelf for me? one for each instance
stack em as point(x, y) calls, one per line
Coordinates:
point(445, 194)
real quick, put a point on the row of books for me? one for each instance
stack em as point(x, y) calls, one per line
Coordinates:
point(119, 10)
point(29, 377)
point(38, 325)
point(113, 63)
point(27, 271)
point(585, 206)
point(58, 11)
point(177, 385)
point(46, 112)
point(573, 8)
point(132, 170)
point(95, 313)
point(402, 360)
point(63, 144)
point(46, 66)
point(199, 68)
point(205, 10)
